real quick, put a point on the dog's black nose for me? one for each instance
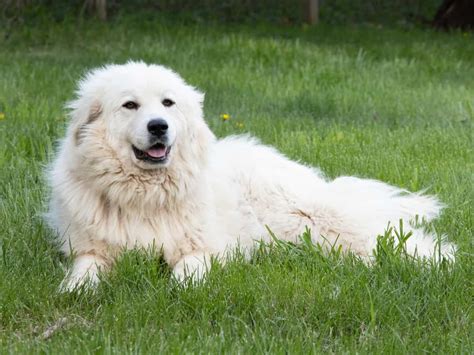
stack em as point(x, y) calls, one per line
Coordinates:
point(157, 127)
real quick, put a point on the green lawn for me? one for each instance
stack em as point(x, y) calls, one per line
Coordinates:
point(390, 104)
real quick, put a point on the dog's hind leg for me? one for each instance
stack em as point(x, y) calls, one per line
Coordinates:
point(373, 205)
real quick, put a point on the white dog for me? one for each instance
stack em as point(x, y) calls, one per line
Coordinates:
point(139, 167)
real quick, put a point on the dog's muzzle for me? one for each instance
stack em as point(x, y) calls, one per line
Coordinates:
point(158, 150)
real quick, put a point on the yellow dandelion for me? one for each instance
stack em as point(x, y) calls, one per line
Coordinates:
point(225, 116)
point(2, 116)
point(239, 125)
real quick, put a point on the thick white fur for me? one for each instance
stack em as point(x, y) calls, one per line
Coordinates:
point(212, 196)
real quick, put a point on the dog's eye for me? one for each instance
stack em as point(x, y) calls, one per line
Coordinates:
point(130, 105)
point(167, 102)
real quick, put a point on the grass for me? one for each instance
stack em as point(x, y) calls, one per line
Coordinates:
point(391, 104)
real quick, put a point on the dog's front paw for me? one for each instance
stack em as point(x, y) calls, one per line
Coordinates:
point(83, 275)
point(77, 283)
point(191, 267)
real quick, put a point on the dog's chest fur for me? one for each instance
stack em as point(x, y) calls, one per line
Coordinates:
point(175, 232)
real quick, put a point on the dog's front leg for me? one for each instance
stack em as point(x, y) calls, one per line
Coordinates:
point(192, 266)
point(84, 272)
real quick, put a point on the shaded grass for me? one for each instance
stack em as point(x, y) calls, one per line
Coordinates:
point(384, 103)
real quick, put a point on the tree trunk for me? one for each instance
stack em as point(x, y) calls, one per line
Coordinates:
point(311, 11)
point(98, 7)
point(101, 9)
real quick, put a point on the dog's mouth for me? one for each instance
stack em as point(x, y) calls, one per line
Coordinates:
point(157, 153)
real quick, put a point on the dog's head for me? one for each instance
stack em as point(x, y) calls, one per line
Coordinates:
point(145, 114)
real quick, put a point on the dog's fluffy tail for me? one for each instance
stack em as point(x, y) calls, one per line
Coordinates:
point(375, 205)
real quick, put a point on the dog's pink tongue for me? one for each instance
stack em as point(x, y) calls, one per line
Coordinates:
point(157, 152)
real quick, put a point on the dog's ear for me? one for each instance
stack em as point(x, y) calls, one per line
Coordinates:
point(81, 116)
point(203, 134)
point(196, 102)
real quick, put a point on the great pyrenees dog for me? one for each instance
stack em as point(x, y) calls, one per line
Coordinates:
point(139, 167)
